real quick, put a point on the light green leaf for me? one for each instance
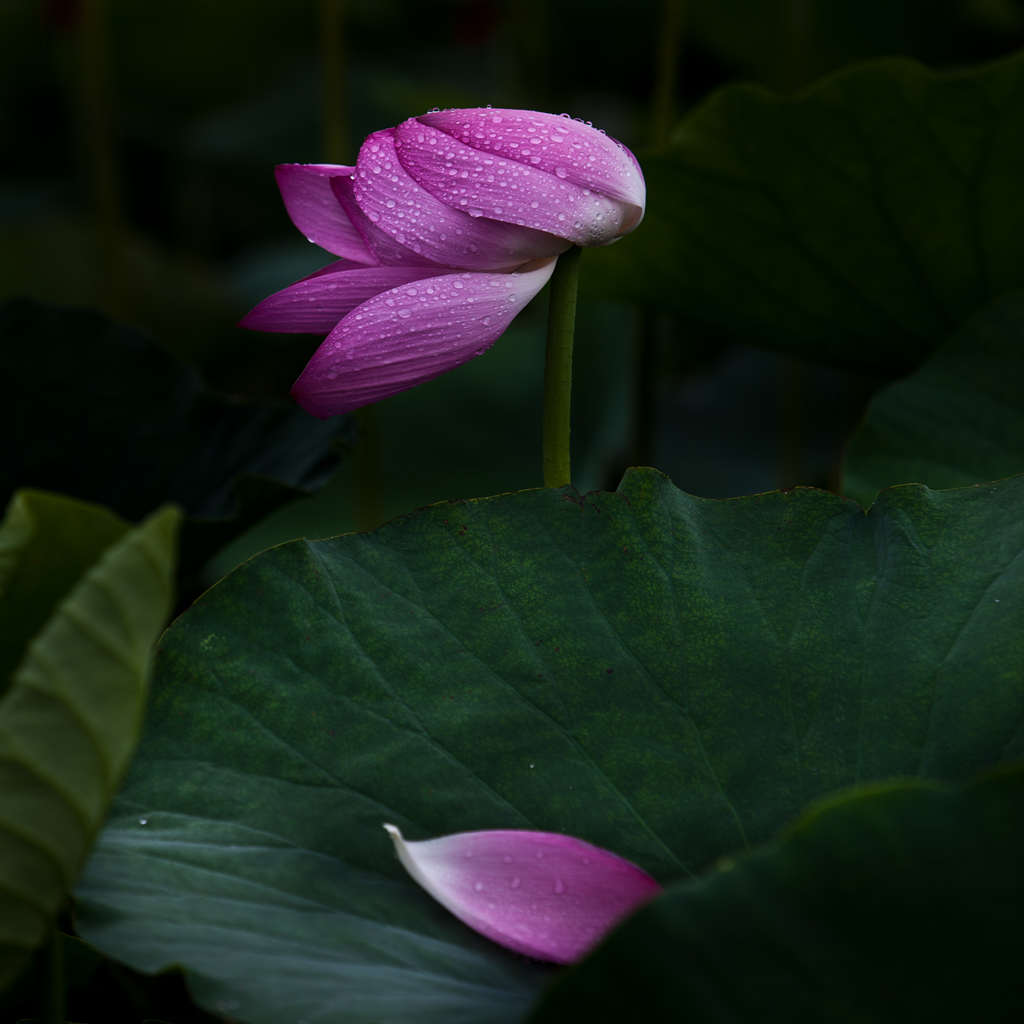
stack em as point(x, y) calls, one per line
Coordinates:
point(957, 420)
point(892, 903)
point(46, 543)
point(71, 716)
point(672, 678)
point(858, 222)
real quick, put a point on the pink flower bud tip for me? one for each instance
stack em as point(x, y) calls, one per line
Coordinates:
point(549, 896)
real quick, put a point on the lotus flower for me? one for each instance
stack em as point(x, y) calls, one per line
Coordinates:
point(446, 227)
point(549, 896)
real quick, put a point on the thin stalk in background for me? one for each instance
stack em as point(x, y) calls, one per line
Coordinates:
point(332, 64)
point(558, 370)
point(54, 998)
point(792, 376)
point(366, 482)
point(663, 100)
point(649, 324)
point(95, 103)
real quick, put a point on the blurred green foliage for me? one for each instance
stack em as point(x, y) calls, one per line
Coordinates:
point(138, 145)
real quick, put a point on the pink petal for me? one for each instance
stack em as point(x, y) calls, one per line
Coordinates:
point(569, 149)
point(412, 334)
point(549, 896)
point(315, 304)
point(310, 202)
point(396, 204)
point(465, 178)
point(381, 244)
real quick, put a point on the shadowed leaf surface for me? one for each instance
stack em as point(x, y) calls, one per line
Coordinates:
point(891, 903)
point(957, 420)
point(858, 222)
point(668, 677)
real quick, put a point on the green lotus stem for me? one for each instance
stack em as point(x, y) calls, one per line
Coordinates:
point(558, 369)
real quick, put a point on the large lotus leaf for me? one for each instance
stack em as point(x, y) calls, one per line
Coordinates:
point(103, 413)
point(669, 677)
point(858, 222)
point(893, 903)
point(957, 420)
point(72, 713)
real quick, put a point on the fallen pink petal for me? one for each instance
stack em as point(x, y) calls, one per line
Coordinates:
point(547, 895)
point(484, 192)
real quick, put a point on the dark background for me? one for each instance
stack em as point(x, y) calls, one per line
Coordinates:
point(139, 141)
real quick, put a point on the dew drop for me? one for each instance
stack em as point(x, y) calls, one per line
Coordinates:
point(559, 887)
point(478, 886)
point(516, 882)
point(143, 821)
point(561, 172)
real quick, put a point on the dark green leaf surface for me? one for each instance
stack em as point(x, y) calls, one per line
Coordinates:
point(104, 414)
point(893, 903)
point(666, 676)
point(72, 713)
point(859, 222)
point(957, 420)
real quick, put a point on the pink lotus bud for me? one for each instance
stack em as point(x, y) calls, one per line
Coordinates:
point(490, 193)
point(547, 895)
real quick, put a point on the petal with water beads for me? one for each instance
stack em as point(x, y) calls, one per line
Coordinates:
point(411, 334)
point(314, 210)
point(547, 895)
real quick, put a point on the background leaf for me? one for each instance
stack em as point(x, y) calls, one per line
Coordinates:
point(891, 903)
point(105, 414)
point(483, 665)
point(47, 542)
point(957, 420)
point(858, 222)
point(72, 714)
